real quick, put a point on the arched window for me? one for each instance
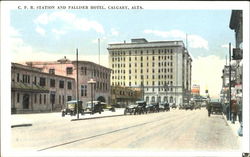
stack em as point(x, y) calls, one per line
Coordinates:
point(147, 99)
point(159, 99)
point(171, 99)
point(153, 99)
point(165, 99)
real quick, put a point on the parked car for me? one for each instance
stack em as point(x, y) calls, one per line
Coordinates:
point(96, 108)
point(138, 108)
point(197, 106)
point(150, 108)
point(71, 108)
point(189, 106)
point(182, 106)
point(173, 106)
point(166, 106)
point(216, 107)
point(108, 107)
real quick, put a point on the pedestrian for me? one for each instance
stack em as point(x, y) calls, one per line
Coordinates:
point(234, 110)
point(239, 107)
point(227, 111)
point(209, 108)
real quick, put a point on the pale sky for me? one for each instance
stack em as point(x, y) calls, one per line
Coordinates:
point(53, 34)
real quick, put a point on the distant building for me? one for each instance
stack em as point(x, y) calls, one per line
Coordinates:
point(87, 70)
point(33, 90)
point(236, 24)
point(195, 89)
point(125, 95)
point(162, 69)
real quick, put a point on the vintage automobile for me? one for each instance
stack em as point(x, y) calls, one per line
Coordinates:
point(197, 106)
point(189, 106)
point(71, 108)
point(150, 108)
point(173, 105)
point(138, 108)
point(216, 107)
point(108, 107)
point(164, 106)
point(96, 108)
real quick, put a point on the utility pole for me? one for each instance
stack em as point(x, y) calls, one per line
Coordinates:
point(99, 49)
point(77, 88)
point(229, 81)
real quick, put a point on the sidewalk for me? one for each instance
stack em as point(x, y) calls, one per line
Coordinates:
point(23, 120)
point(234, 127)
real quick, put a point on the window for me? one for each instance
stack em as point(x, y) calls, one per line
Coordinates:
point(35, 80)
point(69, 70)
point(61, 84)
point(85, 70)
point(69, 85)
point(51, 71)
point(52, 82)
point(44, 99)
point(40, 99)
point(59, 99)
point(18, 97)
point(35, 98)
point(42, 81)
point(17, 78)
point(26, 79)
point(84, 90)
point(69, 98)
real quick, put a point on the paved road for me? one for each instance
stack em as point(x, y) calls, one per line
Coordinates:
point(177, 130)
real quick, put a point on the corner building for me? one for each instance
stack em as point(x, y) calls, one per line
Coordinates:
point(162, 69)
point(86, 71)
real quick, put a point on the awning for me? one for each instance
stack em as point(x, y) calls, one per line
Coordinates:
point(23, 87)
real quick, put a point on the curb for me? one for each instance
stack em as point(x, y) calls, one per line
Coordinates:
point(20, 125)
point(97, 117)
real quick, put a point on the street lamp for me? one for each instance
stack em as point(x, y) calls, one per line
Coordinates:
point(91, 82)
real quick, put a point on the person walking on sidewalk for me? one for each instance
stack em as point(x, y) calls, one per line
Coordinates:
point(209, 108)
point(234, 110)
point(239, 103)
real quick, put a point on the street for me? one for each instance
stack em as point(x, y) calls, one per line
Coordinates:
point(168, 131)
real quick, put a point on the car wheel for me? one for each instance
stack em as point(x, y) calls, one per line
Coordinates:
point(125, 111)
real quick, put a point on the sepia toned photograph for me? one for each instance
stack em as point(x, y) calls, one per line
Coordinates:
point(116, 78)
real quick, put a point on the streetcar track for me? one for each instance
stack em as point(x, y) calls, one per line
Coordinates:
point(98, 135)
point(111, 132)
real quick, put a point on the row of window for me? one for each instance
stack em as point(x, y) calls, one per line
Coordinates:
point(159, 99)
point(154, 51)
point(123, 93)
point(83, 71)
point(142, 77)
point(153, 83)
point(118, 59)
point(153, 71)
point(141, 65)
point(42, 81)
point(42, 99)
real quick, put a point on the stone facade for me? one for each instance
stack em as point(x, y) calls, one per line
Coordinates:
point(162, 69)
point(86, 71)
point(35, 91)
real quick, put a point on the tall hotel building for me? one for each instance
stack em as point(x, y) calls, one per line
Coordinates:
point(162, 69)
